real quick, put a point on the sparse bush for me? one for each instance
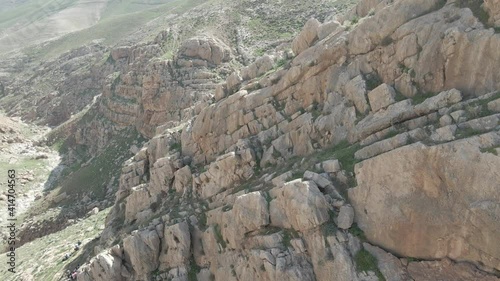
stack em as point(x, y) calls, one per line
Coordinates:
point(367, 262)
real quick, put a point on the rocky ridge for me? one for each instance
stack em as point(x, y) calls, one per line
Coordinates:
point(366, 151)
point(209, 200)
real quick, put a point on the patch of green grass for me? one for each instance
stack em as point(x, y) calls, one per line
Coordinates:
point(344, 152)
point(357, 232)
point(485, 101)
point(113, 28)
point(421, 97)
point(288, 235)
point(466, 133)
point(367, 262)
point(328, 229)
point(202, 221)
point(176, 146)
point(194, 269)
point(492, 150)
point(219, 237)
point(95, 176)
point(372, 81)
point(476, 7)
point(49, 250)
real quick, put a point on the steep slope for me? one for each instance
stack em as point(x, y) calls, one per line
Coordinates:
point(366, 148)
point(217, 208)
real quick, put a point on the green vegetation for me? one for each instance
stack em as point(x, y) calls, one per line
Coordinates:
point(367, 262)
point(95, 176)
point(30, 11)
point(176, 146)
point(344, 152)
point(476, 7)
point(328, 229)
point(219, 237)
point(115, 25)
point(492, 150)
point(421, 97)
point(467, 132)
point(288, 235)
point(194, 269)
point(357, 232)
point(372, 81)
point(49, 250)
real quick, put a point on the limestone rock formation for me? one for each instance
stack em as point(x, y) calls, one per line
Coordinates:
point(376, 139)
point(441, 204)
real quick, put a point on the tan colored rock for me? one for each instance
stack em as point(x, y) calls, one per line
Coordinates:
point(328, 28)
point(141, 251)
point(233, 82)
point(182, 179)
point(251, 212)
point(382, 146)
point(227, 170)
point(494, 105)
point(372, 31)
point(345, 217)
point(331, 166)
point(120, 52)
point(446, 133)
point(492, 7)
point(139, 200)
point(355, 91)
point(390, 266)
point(441, 100)
point(257, 68)
point(175, 246)
point(441, 204)
point(300, 205)
point(446, 270)
point(306, 37)
point(403, 111)
point(104, 266)
point(381, 97)
point(206, 48)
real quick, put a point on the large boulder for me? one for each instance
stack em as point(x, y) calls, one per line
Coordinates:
point(176, 246)
point(105, 266)
point(299, 205)
point(206, 48)
point(251, 212)
point(433, 202)
point(306, 37)
point(142, 250)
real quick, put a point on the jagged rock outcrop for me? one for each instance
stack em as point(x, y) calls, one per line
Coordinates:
point(253, 184)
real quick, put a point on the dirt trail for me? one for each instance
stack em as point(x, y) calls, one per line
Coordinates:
point(32, 163)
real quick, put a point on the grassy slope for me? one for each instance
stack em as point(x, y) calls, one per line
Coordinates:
point(31, 11)
point(113, 27)
point(49, 250)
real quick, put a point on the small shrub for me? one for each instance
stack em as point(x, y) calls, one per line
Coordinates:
point(219, 237)
point(421, 97)
point(367, 262)
point(387, 41)
point(288, 235)
point(357, 232)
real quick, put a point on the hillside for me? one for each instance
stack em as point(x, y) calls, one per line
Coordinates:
point(258, 140)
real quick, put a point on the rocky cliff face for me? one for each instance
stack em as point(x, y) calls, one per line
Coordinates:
point(221, 192)
point(368, 150)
